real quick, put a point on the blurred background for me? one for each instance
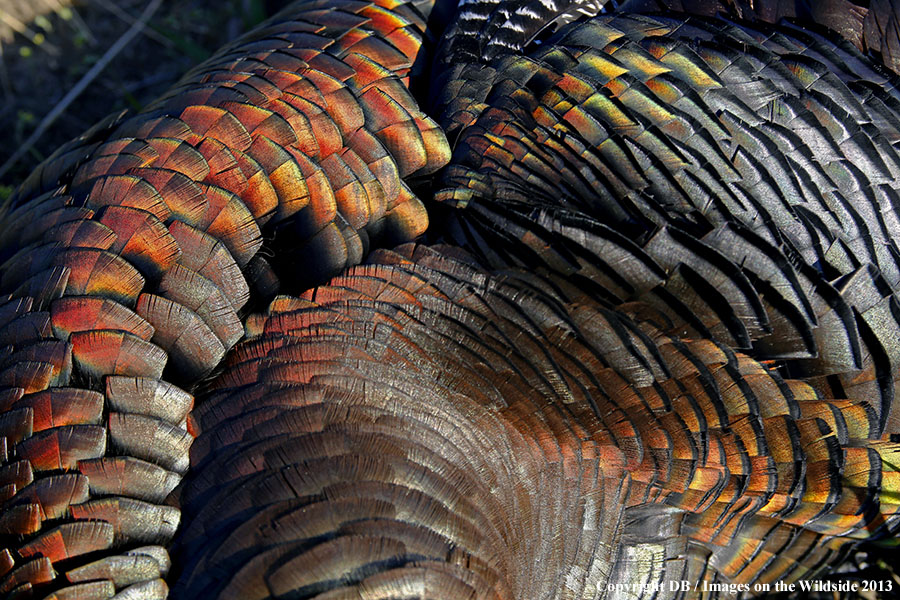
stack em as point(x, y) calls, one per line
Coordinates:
point(136, 48)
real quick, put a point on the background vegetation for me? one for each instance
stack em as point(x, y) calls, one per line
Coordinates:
point(47, 47)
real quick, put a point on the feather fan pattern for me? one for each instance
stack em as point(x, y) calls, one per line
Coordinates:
point(647, 346)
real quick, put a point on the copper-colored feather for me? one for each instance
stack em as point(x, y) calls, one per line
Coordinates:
point(660, 347)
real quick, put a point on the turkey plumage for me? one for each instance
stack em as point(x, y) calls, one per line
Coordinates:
point(646, 348)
